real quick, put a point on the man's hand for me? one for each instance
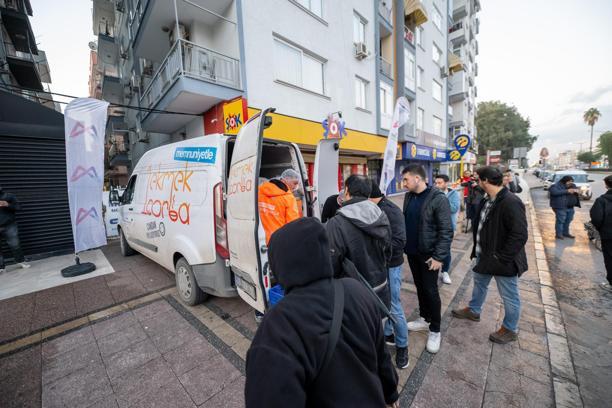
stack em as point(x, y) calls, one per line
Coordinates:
point(4, 204)
point(394, 405)
point(433, 264)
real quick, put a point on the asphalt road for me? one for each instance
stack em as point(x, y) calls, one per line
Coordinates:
point(577, 269)
point(597, 186)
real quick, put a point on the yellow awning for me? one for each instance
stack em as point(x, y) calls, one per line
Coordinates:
point(454, 63)
point(415, 9)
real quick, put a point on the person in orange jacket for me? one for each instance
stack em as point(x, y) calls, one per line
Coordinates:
point(277, 204)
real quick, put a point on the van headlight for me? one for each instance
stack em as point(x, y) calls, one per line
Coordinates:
point(584, 188)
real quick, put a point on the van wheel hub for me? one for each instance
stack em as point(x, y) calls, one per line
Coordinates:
point(184, 282)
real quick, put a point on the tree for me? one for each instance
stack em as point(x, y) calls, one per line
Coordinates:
point(501, 127)
point(605, 144)
point(588, 157)
point(590, 118)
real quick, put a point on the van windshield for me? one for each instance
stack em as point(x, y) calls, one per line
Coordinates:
point(578, 178)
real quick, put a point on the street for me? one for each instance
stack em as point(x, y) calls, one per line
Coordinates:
point(577, 270)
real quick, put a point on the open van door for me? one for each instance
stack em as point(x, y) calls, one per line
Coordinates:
point(325, 172)
point(246, 239)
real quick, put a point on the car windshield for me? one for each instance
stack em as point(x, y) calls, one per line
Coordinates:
point(578, 178)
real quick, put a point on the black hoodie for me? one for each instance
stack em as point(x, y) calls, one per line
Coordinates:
point(7, 214)
point(289, 347)
point(601, 215)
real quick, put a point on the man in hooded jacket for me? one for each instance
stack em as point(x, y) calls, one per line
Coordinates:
point(277, 204)
point(285, 364)
point(360, 232)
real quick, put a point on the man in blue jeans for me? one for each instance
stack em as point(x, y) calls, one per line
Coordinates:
point(500, 235)
point(455, 205)
point(8, 228)
point(561, 195)
point(396, 334)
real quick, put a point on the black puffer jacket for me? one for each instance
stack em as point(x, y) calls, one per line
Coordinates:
point(398, 231)
point(435, 225)
point(7, 214)
point(289, 347)
point(601, 215)
point(503, 237)
point(360, 231)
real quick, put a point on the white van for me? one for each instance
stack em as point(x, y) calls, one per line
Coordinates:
point(581, 180)
point(192, 207)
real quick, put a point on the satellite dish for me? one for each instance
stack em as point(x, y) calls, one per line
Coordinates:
point(92, 45)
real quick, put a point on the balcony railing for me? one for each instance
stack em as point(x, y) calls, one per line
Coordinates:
point(385, 10)
point(191, 60)
point(385, 67)
point(135, 17)
point(104, 28)
point(117, 148)
point(409, 35)
point(11, 51)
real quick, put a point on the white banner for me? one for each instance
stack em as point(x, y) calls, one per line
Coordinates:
point(84, 127)
point(401, 114)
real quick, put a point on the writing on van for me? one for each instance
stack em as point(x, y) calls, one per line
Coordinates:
point(160, 199)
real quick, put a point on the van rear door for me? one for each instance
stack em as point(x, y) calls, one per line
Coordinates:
point(325, 172)
point(245, 239)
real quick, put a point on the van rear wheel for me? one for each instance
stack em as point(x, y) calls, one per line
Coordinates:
point(186, 284)
point(126, 249)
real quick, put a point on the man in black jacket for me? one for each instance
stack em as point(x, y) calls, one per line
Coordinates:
point(360, 232)
point(396, 333)
point(429, 233)
point(8, 228)
point(601, 216)
point(500, 234)
point(285, 365)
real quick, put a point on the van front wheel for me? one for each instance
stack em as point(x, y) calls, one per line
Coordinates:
point(126, 249)
point(186, 284)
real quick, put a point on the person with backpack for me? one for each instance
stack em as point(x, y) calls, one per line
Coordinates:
point(601, 217)
point(323, 344)
point(455, 205)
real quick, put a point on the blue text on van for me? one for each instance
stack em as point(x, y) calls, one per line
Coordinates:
point(196, 154)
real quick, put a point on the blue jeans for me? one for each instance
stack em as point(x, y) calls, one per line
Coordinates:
point(446, 263)
point(509, 292)
point(11, 234)
point(563, 218)
point(399, 327)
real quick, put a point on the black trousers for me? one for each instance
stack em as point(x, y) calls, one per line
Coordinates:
point(11, 234)
point(606, 247)
point(426, 282)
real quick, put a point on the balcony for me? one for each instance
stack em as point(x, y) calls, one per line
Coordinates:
point(409, 133)
point(458, 88)
point(103, 15)
point(414, 12)
point(24, 67)
point(14, 15)
point(191, 79)
point(19, 6)
point(409, 36)
point(457, 34)
point(429, 139)
point(386, 68)
point(385, 10)
point(118, 154)
point(460, 9)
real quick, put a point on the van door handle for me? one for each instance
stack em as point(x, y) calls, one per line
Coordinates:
point(131, 209)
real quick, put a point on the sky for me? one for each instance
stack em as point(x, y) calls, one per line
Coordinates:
point(552, 59)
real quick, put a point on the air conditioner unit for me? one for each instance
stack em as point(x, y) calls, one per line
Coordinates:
point(443, 72)
point(143, 137)
point(361, 51)
point(134, 84)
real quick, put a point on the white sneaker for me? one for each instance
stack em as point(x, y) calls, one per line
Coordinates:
point(604, 285)
point(2, 271)
point(446, 278)
point(418, 325)
point(24, 265)
point(433, 342)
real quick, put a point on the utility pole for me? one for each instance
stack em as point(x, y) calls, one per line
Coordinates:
point(398, 56)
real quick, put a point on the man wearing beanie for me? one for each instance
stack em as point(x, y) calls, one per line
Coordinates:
point(396, 333)
point(292, 361)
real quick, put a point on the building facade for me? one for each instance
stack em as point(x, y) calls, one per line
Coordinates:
point(24, 69)
point(188, 69)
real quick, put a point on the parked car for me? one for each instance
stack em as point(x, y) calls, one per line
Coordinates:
point(192, 207)
point(581, 180)
point(548, 181)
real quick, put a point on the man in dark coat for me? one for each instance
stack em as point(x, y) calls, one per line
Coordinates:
point(560, 193)
point(500, 234)
point(429, 233)
point(601, 217)
point(331, 206)
point(284, 366)
point(360, 232)
point(9, 205)
point(396, 333)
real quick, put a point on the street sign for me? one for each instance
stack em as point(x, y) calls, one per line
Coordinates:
point(519, 152)
point(494, 152)
point(462, 143)
point(334, 127)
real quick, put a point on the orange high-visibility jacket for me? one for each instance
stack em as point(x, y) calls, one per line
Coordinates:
point(276, 208)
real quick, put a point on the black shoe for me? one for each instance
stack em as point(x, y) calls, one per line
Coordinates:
point(401, 357)
point(390, 340)
point(569, 236)
point(559, 237)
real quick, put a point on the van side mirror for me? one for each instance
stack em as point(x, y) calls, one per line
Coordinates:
point(267, 122)
point(591, 180)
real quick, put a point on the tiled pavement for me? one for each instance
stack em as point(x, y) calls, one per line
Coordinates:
point(168, 355)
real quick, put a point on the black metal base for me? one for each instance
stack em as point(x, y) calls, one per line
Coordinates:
point(78, 269)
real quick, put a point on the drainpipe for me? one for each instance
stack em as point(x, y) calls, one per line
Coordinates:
point(398, 55)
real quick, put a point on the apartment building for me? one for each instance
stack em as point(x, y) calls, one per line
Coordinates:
point(22, 63)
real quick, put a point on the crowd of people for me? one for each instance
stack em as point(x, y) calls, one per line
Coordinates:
point(325, 343)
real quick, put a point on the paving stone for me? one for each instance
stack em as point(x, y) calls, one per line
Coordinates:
point(124, 287)
point(506, 381)
point(120, 340)
point(438, 390)
point(106, 402)
point(140, 382)
point(232, 396)
point(537, 348)
point(171, 394)
point(60, 365)
point(208, 379)
point(463, 362)
point(54, 305)
point(232, 306)
point(20, 379)
point(134, 356)
point(152, 310)
point(113, 324)
point(567, 394)
point(153, 277)
point(78, 389)
point(538, 395)
point(190, 355)
point(91, 294)
point(494, 399)
point(169, 331)
point(16, 316)
point(560, 358)
point(67, 342)
point(554, 324)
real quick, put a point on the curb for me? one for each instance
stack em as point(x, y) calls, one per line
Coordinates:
point(566, 390)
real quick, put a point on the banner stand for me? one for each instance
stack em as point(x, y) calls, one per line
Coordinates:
point(78, 268)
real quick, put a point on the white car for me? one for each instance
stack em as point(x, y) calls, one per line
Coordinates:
point(581, 180)
point(192, 207)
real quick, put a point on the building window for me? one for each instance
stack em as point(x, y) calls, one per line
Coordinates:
point(436, 18)
point(360, 93)
point(359, 26)
point(437, 126)
point(298, 68)
point(409, 63)
point(315, 6)
point(386, 106)
point(420, 118)
point(419, 36)
point(419, 77)
point(436, 90)
point(436, 53)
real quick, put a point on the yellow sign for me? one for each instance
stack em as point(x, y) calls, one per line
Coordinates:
point(462, 141)
point(233, 117)
point(434, 153)
point(455, 155)
point(413, 150)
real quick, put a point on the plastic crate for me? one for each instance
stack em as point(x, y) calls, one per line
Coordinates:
point(276, 294)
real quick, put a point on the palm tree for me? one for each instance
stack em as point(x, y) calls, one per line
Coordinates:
point(590, 118)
